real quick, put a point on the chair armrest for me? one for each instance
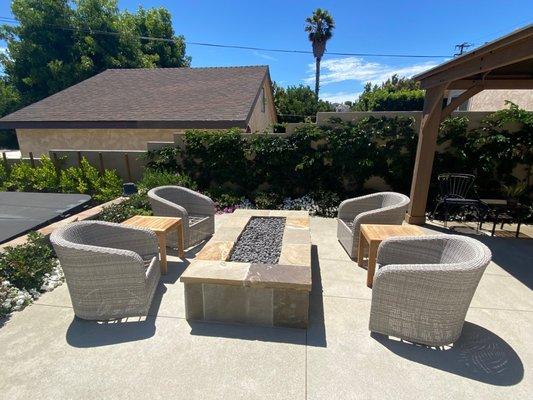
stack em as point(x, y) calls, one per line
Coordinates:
point(165, 208)
point(201, 205)
point(411, 250)
point(350, 208)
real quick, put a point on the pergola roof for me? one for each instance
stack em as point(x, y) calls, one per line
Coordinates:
point(505, 63)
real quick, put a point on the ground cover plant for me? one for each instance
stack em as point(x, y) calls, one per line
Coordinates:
point(26, 271)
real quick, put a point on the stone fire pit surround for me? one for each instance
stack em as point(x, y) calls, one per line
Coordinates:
point(253, 293)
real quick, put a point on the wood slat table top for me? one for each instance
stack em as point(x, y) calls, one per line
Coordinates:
point(374, 232)
point(156, 224)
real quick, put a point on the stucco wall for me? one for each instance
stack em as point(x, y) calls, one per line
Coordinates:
point(493, 100)
point(262, 121)
point(40, 141)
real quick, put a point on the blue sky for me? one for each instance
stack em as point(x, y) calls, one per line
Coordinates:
point(404, 27)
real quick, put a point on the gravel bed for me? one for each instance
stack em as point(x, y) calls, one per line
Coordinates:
point(260, 241)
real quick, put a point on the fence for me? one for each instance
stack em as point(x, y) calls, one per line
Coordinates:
point(129, 164)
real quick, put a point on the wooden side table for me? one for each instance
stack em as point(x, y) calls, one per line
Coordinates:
point(160, 226)
point(372, 235)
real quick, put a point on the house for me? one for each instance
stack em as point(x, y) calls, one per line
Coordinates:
point(123, 109)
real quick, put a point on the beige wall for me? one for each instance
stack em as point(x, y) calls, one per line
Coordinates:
point(262, 121)
point(40, 141)
point(494, 100)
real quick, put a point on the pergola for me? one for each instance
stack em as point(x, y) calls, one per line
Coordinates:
point(506, 63)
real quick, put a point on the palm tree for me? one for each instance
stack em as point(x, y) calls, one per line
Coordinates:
point(319, 28)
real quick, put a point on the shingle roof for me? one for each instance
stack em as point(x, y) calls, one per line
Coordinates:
point(162, 97)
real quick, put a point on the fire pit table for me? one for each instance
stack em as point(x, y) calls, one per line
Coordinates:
point(256, 269)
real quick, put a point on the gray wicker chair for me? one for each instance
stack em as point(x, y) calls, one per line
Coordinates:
point(424, 285)
point(196, 210)
point(376, 208)
point(111, 270)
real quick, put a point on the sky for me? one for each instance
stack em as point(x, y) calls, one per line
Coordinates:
point(384, 27)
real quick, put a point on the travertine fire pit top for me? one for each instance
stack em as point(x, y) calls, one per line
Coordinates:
point(293, 271)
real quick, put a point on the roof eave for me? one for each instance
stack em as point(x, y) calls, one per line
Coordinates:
point(519, 34)
point(165, 124)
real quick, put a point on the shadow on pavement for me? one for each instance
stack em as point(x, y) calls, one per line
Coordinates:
point(479, 354)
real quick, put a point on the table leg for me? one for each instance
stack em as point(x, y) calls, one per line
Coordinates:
point(372, 254)
point(162, 239)
point(180, 241)
point(361, 250)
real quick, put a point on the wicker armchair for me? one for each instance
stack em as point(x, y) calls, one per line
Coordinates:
point(378, 208)
point(196, 210)
point(111, 270)
point(424, 285)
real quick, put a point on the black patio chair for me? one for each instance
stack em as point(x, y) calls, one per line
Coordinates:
point(457, 191)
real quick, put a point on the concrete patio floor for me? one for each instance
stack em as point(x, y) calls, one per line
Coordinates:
point(47, 353)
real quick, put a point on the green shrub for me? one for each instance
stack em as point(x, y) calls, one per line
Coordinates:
point(163, 159)
point(22, 177)
point(87, 179)
point(267, 200)
point(154, 178)
point(224, 198)
point(341, 157)
point(25, 265)
point(216, 157)
point(137, 204)
point(4, 175)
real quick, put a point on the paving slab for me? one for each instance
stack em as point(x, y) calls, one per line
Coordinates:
point(488, 362)
point(48, 353)
point(157, 358)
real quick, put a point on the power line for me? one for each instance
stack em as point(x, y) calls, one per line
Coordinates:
point(238, 47)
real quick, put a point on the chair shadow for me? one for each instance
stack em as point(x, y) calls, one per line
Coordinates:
point(514, 255)
point(315, 335)
point(479, 354)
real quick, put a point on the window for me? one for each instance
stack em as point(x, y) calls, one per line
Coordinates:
point(263, 100)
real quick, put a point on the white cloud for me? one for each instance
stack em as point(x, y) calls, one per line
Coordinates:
point(357, 69)
point(265, 56)
point(339, 97)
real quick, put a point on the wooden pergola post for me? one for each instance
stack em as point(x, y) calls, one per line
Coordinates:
point(425, 153)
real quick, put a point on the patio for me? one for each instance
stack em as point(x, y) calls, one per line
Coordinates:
point(48, 353)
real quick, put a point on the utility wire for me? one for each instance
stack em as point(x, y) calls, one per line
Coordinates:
point(228, 46)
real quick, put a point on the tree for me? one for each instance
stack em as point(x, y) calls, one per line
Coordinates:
point(395, 94)
point(319, 28)
point(296, 103)
point(58, 43)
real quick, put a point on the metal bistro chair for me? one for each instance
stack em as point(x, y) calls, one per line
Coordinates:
point(454, 190)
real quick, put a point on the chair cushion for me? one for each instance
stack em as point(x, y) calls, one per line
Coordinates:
point(349, 223)
point(149, 261)
point(196, 219)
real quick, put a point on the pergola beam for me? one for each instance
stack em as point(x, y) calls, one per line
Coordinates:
point(496, 83)
point(456, 102)
point(500, 57)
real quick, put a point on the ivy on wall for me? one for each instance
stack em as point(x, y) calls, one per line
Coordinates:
point(341, 156)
